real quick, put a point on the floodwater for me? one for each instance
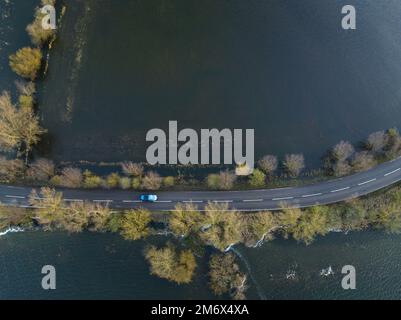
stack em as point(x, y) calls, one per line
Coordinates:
point(283, 67)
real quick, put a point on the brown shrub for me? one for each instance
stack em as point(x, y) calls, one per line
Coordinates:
point(294, 164)
point(10, 169)
point(132, 169)
point(363, 161)
point(152, 181)
point(268, 164)
point(71, 177)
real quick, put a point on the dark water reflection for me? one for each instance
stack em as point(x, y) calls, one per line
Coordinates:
point(104, 266)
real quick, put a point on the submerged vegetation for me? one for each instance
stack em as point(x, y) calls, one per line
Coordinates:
point(20, 129)
point(19, 126)
point(226, 277)
point(343, 159)
point(20, 132)
point(190, 229)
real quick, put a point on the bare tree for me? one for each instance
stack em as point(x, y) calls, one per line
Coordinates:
point(363, 161)
point(342, 150)
point(268, 164)
point(294, 164)
point(71, 177)
point(341, 168)
point(39, 35)
point(18, 127)
point(98, 217)
point(75, 217)
point(10, 169)
point(125, 183)
point(224, 180)
point(49, 207)
point(132, 169)
point(151, 181)
point(26, 62)
point(394, 143)
point(377, 141)
point(25, 88)
point(31, 131)
point(227, 180)
point(10, 123)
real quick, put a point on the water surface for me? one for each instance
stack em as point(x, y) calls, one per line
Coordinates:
point(104, 266)
point(283, 67)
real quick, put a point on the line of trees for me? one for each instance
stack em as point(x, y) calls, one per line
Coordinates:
point(20, 128)
point(380, 146)
point(53, 212)
point(343, 159)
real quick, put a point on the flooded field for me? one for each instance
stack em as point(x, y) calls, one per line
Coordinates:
point(283, 67)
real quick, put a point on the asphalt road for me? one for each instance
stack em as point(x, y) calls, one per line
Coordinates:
point(327, 192)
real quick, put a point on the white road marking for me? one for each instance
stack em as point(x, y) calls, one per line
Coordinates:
point(15, 197)
point(223, 201)
point(102, 200)
point(312, 195)
point(193, 201)
point(366, 182)
point(33, 207)
point(279, 199)
point(342, 189)
point(73, 200)
point(253, 200)
point(165, 201)
point(131, 201)
point(392, 172)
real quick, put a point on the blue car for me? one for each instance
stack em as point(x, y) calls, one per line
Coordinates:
point(148, 198)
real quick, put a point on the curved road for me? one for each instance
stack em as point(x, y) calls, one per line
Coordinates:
point(327, 192)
